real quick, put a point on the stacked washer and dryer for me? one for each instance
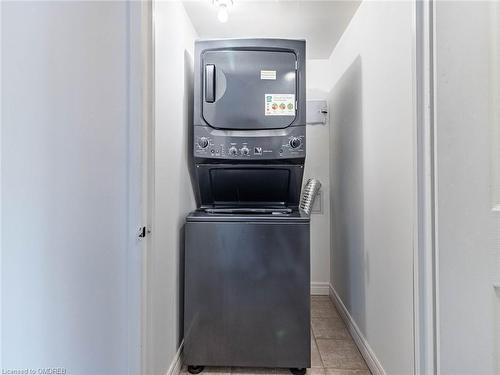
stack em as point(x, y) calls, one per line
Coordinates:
point(247, 261)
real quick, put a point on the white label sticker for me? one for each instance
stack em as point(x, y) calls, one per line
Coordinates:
point(268, 74)
point(280, 105)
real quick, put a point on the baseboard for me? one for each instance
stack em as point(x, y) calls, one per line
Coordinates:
point(320, 288)
point(176, 365)
point(363, 346)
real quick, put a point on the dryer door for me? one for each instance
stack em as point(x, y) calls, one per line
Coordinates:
point(245, 89)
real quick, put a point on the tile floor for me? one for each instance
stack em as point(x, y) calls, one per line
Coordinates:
point(333, 351)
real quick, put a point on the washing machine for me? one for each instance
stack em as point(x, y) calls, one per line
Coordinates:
point(247, 255)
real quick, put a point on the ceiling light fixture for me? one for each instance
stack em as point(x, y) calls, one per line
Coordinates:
point(223, 9)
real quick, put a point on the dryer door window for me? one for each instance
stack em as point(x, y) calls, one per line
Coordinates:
point(244, 89)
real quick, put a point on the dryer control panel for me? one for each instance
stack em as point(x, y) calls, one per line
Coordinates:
point(286, 143)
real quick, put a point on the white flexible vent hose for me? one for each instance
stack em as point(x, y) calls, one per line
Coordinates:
point(309, 193)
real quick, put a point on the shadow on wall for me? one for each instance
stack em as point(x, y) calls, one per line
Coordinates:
point(182, 256)
point(349, 261)
point(188, 108)
point(188, 124)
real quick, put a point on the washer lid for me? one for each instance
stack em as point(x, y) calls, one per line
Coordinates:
point(202, 216)
point(249, 185)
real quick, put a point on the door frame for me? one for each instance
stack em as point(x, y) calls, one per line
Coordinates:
point(139, 139)
point(146, 36)
point(425, 258)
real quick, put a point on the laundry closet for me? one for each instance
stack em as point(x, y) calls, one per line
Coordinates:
point(354, 145)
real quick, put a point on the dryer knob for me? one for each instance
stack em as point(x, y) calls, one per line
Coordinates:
point(295, 142)
point(233, 151)
point(203, 142)
point(245, 151)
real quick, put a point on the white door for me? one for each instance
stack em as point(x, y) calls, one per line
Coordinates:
point(468, 186)
point(71, 206)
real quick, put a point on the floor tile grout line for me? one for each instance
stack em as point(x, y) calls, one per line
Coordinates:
point(350, 338)
point(317, 348)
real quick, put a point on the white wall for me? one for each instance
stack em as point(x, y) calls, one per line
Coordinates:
point(70, 199)
point(372, 178)
point(468, 211)
point(173, 195)
point(317, 166)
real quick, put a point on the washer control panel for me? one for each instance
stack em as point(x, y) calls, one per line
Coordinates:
point(254, 145)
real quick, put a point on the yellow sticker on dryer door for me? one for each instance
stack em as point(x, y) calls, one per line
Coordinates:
point(280, 104)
